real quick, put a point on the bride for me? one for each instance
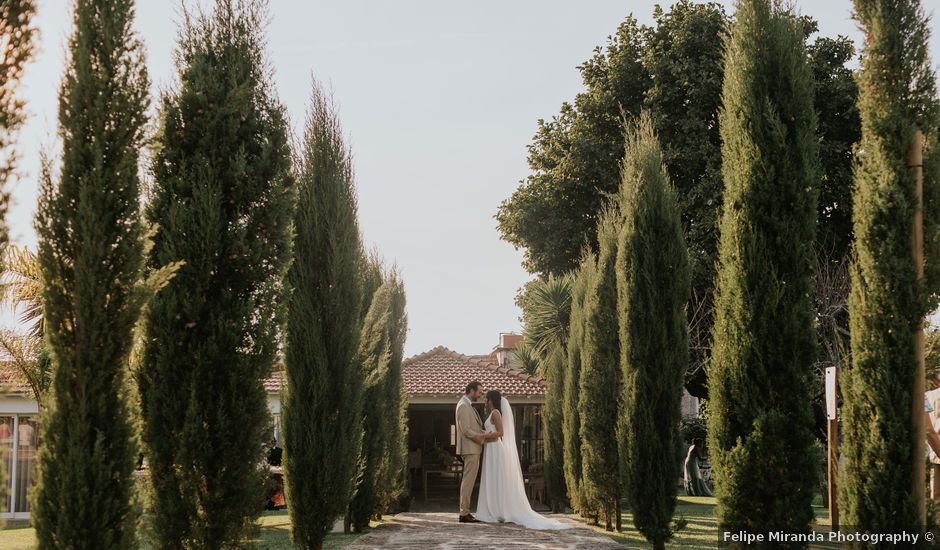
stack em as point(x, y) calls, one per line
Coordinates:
point(502, 492)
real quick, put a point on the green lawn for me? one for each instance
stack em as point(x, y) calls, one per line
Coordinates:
point(701, 529)
point(274, 534)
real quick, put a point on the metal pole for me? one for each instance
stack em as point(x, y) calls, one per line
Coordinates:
point(833, 462)
point(916, 161)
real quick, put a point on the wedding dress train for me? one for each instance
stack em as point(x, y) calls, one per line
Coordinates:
point(502, 491)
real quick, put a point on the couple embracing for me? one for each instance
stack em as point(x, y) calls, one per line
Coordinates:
point(502, 495)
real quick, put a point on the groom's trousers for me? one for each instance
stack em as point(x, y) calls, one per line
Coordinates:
point(471, 466)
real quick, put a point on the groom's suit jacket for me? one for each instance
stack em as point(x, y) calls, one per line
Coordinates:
point(469, 426)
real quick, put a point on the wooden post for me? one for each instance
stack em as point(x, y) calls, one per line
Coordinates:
point(833, 447)
point(916, 161)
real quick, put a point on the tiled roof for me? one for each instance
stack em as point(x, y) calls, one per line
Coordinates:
point(12, 379)
point(443, 372)
point(275, 381)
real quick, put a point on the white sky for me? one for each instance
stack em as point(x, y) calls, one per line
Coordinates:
point(439, 100)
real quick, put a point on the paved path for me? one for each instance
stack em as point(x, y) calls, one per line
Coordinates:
point(443, 532)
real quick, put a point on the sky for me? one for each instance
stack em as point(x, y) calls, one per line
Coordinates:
point(439, 101)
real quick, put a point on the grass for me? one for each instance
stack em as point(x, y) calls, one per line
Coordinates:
point(701, 529)
point(274, 534)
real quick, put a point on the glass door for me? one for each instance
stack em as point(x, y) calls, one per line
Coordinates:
point(7, 426)
point(27, 447)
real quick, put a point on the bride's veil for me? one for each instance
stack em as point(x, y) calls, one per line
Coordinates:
point(502, 487)
point(509, 438)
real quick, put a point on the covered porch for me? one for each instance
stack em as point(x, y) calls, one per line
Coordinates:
point(435, 381)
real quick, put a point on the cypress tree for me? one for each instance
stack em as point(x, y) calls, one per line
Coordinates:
point(760, 421)
point(897, 94)
point(322, 413)
point(91, 257)
point(222, 200)
point(394, 483)
point(571, 418)
point(373, 355)
point(599, 399)
point(552, 414)
point(653, 287)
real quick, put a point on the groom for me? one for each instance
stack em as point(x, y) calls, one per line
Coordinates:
point(469, 446)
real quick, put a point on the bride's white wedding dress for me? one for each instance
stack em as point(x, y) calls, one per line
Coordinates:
point(502, 490)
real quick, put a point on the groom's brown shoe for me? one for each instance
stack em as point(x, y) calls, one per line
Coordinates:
point(468, 519)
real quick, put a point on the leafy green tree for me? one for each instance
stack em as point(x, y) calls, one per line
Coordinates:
point(322, 409)
point(581, 281)
point(760, 423)
point(679, 62)
point(839, 129)
point(643, 67)
point(18, 37)
point(897, 95)
point(574, 159)
point(685, 58)
point(600, 380)
point(222, 199)
point(652, 291)
point(91, 258)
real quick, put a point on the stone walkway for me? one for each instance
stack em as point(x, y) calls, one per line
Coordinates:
point(443, 532)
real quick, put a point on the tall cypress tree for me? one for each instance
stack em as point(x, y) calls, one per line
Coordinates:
point(372, 357)
point(381, 348)
point(571, 418)
point(653, 287)
point(599, 399)
point(552, 419)
point(91, 256)
point(760, 426)
point(394, 483)
point(897, 94)
point(322, 405)
point(222, 199)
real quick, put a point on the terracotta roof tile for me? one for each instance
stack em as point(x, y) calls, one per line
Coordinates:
point(443, 372)
point(275, 381)
point(12, 380)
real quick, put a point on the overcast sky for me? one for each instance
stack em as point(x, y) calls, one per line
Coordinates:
point(439, 100)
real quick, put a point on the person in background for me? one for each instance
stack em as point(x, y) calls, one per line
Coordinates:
point(695, 485)
point(274, 455)
point(932, 425)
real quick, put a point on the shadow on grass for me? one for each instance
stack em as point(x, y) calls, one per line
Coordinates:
point(273, 534)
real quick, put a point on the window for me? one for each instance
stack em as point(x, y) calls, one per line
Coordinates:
point(19, 440)
point(453, 434)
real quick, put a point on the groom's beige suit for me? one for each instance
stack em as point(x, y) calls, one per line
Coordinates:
point(469, 427)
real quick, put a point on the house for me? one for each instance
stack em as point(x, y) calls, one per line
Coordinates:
point(435, 380)
point(19, 440)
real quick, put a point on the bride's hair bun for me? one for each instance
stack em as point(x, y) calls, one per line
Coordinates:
point(495, 398)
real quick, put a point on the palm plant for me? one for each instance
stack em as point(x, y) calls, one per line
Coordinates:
point(21, 289)
point(21, 286)
point(547, 314)
point(527, 359)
